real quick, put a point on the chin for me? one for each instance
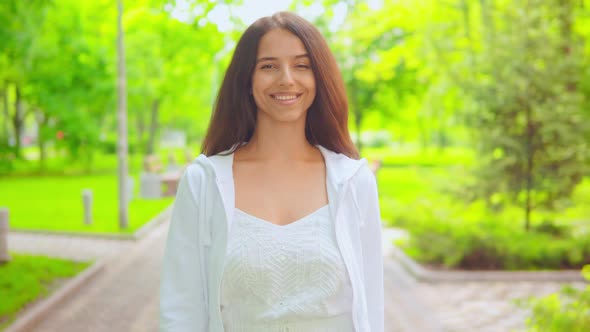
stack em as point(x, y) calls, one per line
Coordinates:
point(286, 116)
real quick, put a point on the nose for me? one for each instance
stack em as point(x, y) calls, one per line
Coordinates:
point(286, 77)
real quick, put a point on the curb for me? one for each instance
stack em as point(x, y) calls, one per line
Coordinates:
point(432, 276)
point(34, 315)
point(139, 234)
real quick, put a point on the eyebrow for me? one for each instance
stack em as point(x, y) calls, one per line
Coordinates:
point(269, 58)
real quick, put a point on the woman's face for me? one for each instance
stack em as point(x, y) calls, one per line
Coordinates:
point(283, 84)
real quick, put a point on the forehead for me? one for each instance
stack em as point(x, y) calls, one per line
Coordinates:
point(280, 43)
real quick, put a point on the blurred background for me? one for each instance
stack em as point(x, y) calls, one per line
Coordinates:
point(474, 114)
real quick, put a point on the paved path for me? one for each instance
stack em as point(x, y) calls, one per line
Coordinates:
point(124, 297)
point(63, 246)
point(483, 306)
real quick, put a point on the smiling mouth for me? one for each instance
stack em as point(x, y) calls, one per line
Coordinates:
point(286, 97)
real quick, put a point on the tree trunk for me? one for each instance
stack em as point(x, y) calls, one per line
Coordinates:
point(566, 9)
point(358, 121)
point(424, 137)
point(153, 126)
point(487, 21)
point(6, 114)
point(122, 147)
point(530, 154)
point(358, 116)
point(18, 122)
point(42, 121)
point(465, 9)
point(140, 125)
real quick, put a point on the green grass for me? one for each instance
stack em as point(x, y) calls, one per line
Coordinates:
point(27, 278)
point(54, 203)
point(402, 188)
point(404, 156)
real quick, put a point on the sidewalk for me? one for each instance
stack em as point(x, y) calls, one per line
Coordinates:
point(459, 306)
point(69, 247)
point(124, 297)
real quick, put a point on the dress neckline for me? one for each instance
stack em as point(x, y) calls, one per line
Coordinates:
point(290, 224)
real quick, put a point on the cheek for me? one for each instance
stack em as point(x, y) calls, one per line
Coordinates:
point(261, 80)
point(258, 99)
point(258, 88)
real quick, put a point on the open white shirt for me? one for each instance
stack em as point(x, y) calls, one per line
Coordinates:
point(203, 217)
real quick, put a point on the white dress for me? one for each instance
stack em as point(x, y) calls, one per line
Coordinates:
point(285, 278)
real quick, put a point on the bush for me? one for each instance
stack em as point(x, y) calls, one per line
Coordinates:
point(109, 146)
point(470, 237)
point(568, 310)
point(445, 231)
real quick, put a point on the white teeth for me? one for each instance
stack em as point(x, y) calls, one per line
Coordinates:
point(285, 97)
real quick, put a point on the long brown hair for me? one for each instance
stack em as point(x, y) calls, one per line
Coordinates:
point(234, 114)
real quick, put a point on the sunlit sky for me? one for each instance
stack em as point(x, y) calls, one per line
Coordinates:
point(252, 10)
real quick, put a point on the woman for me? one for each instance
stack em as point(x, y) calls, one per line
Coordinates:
point(276, 226)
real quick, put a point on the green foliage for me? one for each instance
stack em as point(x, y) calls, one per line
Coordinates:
point(568, 310)
point(27, 278)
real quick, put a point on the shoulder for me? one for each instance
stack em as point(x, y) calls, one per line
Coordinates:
point(195, 177)
point(364, 178)
point(365, 187)
point(365, 174)
point(195, 171)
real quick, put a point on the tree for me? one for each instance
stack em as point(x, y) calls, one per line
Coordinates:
point(70, 86)
point(528, 118)
point(169, 68)
point(364, 49)
point(19, 30)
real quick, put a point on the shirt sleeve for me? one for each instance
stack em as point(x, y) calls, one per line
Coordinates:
point(372, 249)
point(182, 287)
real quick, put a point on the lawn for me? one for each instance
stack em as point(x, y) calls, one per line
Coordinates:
point(402, 156)
point(26, 278)
point(54, 203)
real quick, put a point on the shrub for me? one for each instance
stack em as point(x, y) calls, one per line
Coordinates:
point(568, 310)
point(470, 237)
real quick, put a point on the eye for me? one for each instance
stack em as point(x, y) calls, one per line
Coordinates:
point(302, 66)
point(267, 66)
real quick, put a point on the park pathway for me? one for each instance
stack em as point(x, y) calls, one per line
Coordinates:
point(78, 248)
point(124, 296)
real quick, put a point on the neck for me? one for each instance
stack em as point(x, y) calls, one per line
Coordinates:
point(279, 141)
